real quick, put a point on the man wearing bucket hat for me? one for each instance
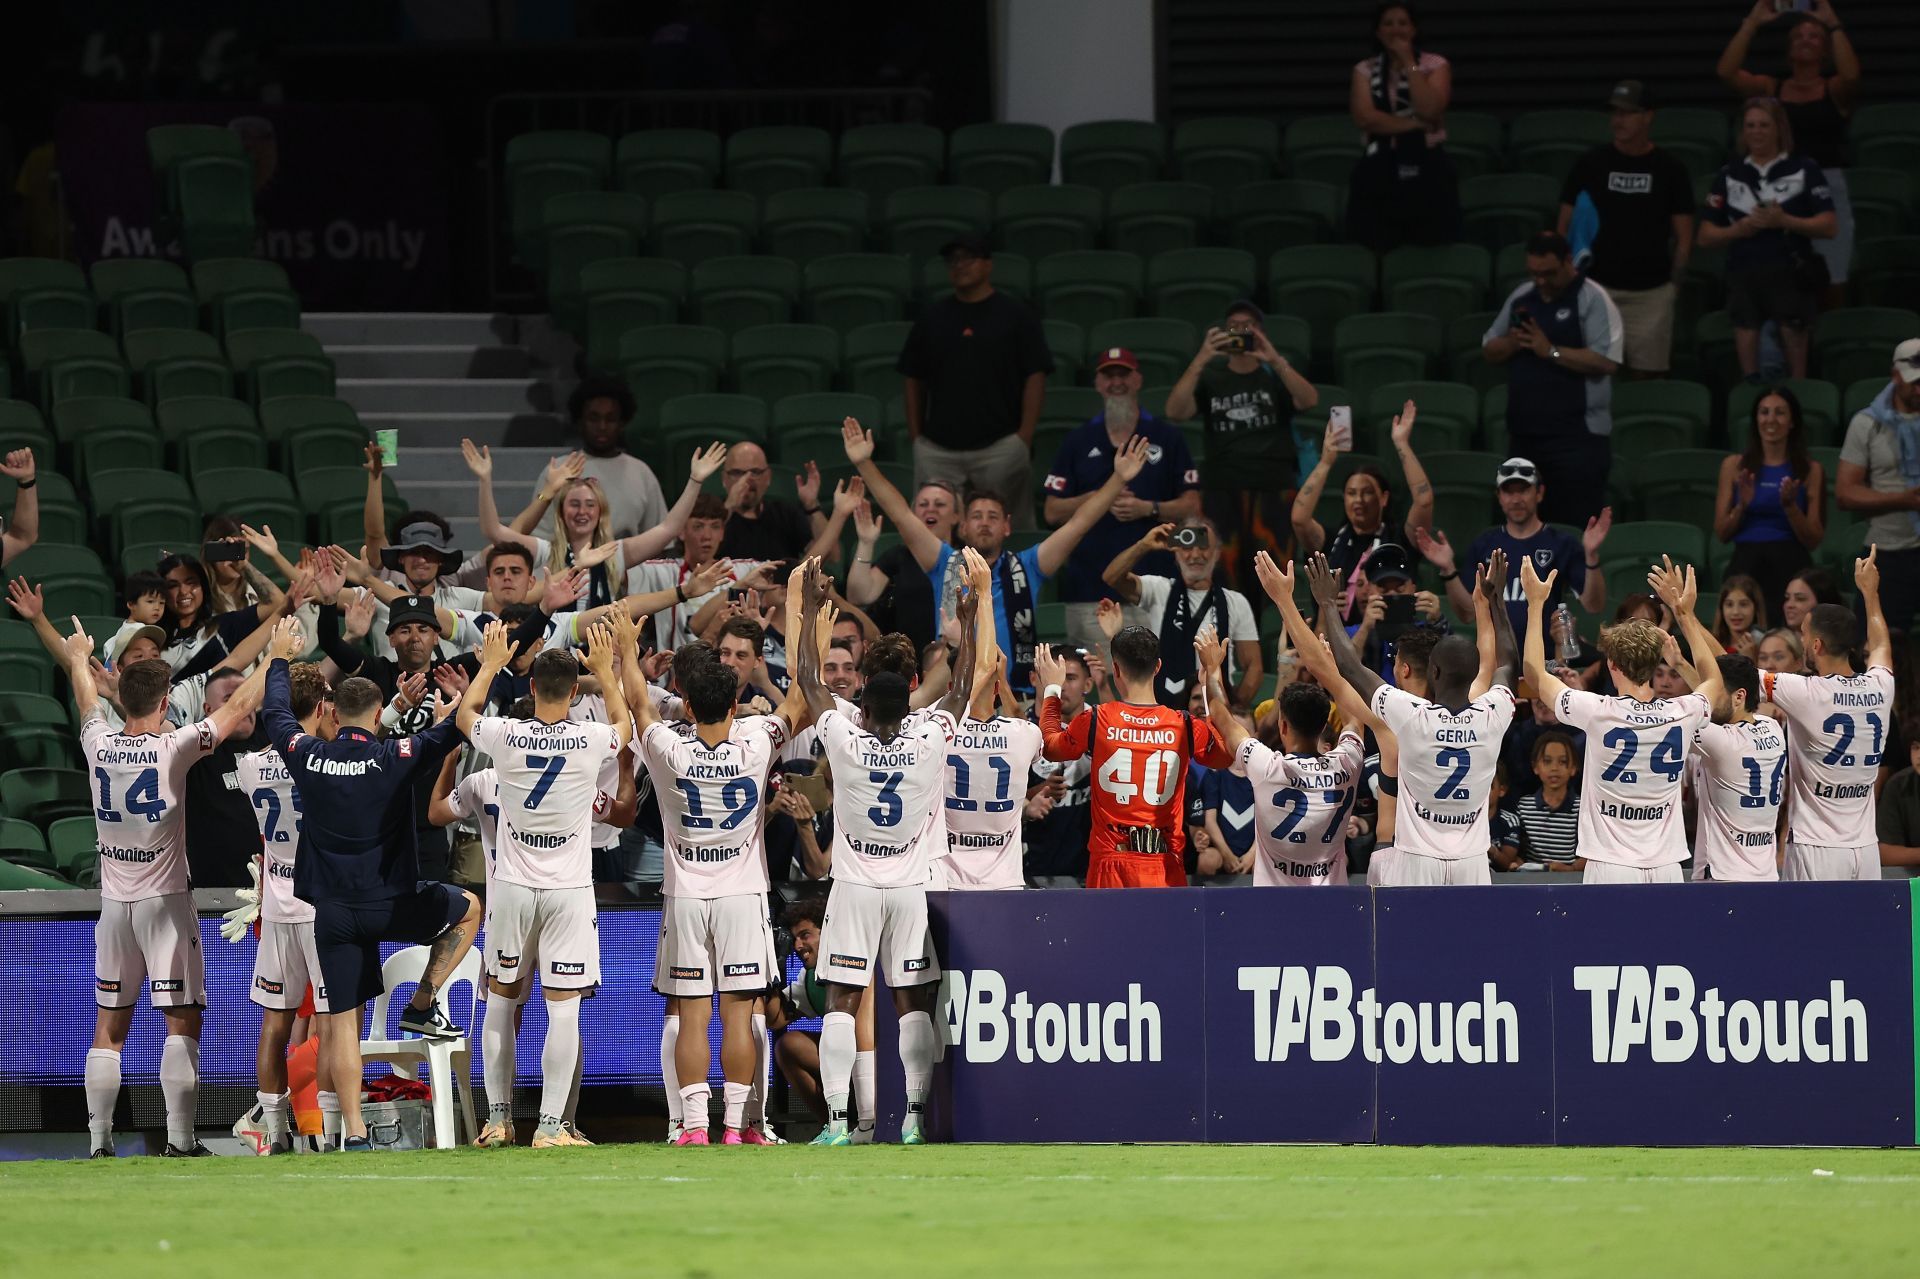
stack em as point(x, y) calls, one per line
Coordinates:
point(421, 560)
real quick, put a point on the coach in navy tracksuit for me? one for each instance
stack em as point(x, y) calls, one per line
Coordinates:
point(359, 866)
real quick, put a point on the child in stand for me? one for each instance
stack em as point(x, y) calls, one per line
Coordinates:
point(1549, 819)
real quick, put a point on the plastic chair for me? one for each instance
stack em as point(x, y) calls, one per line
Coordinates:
point(1158, 217)
point(846, 290)
point(449, 1061)
point(253, 494)
point(1475, 141)
point(85, 414)
point(770, 158)
point(175, 363)
point(1110, 154)
point(1322, 148)
point(1198, 285)
point(868, 357)
point(879, 159)
point(773, 361)
point(736, 293)
point(43, 795)
point(44, 293)
point(1265, 217)
point(998, 157)
point(284, 415)
point(213, 196)
point(541, 165)
point(62, 363)
point(1442, 281)
point(1012, 273)
point(618, 294)
point(661, 361)
point(73, 844)
point(690, 226)
point(1368, 346)
point(1226, 152)
point(1500, 209)
point(1046, 219)
point(1322, 284)
point(1885, 271)
point(276, 362)
point(143, 293)
point(657, 162)
point(918, 220)
point(1549, 142)
point(1090, 288)
point(1164, 347)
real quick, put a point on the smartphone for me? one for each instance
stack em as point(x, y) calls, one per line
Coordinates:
point(1793, 6)
point(1400, 610)
point(812, 788)
point(223, 552)
point(1340, 422)
point(389, 442)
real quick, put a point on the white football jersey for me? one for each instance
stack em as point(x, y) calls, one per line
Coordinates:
point(1630, 779)
point(1840, 725)
point(1301, 804)
point(1447, 763)
point(477, 799)
point(137, 816)
point(550, 778)
point(593, 710)
point(713, 807)
point(263, 779)
point(888, 799)
point(987, 768)
point(1739, 778)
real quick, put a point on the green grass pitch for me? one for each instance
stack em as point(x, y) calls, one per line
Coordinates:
point(973, 1210)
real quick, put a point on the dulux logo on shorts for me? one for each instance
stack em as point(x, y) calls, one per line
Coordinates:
point(984, 1023)
point(1662, 1010)
point(1315, 1007)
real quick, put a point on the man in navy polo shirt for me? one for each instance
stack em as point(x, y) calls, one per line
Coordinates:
point(1562, 334)
point(1524, 536)
point(1167, 489)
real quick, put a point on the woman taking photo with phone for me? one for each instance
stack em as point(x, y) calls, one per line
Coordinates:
point(1365, 499)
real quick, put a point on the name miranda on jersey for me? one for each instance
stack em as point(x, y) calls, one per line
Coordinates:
point(1869, 700)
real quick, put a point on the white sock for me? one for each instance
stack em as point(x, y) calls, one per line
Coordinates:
point(735, 1096)
point(916, 1054)
point(669, 1039)
point(180, 1087)
point(275, 1111)
point(757, 1088)
point(579, 1070)
point(496, 1059)
point(559, 1056)
point(696, 1101)
point(837, 1052)
point(103, 1094)
point(864, 1092)
point(329, 1120)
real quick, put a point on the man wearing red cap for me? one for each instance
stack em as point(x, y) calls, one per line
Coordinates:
point(1167, 489)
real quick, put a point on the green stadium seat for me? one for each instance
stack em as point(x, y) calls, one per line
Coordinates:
point(147, 525)
point(22, 427)
point(47, 561)
point(1713, 343)
point(170, 144)
point(1680, 485)
point(44, 293)
point(1291, 337)
point(1067, 342)
point(328, 446)
point(219, 277)
point(997, 157)
point(777, 157)
point(1882, 200)
point(255, 309)
point(74, 593)
point(1860, 393)
point(1509, 272)
point(1042, 220)
point(1226, 152)
point(1090, 287)
point(663, 361)
point(142, 293)
point(63, 363)
point(1012, 273)
point(21, 841)
point(75, 849)
point(1442, 281)
point(84, 415)
point(1458, 468)
point(690, 226)
point(277, 362)
point(116, 448)
point(1110, 154)
point(1158, 217)
point(544, 164)
point(43, 795)
point(774, 361)
point(1641, 543)
point(1322, 284)
point(1548, 142)
point(675, 448)
point(802, 415)
point(1265, 217)
point(1164, 347)
point(657, 162)
point(283, 416)
point(214, 197)
point(1697, 135)
point(1858, 342)
point(846, 290)
point(1884, 135)
point(1068, 406)
point(32, 708)
point(918, 220)
point(254, 496)
point(1370, 347)
point(1819, 411)
point(326, 486)
point(1885, 271)
point(1322, 148)
point(1447, 417)
point(217, 448)
point(1198, 285)
point(1475, 142)
point(28, 670)
point(578, 228)
point(805, 223)
point(713, 412)
point(1657, 414)
point(735, 293)
point(627, 293)
point(879, 159)
point(868, 359)
point(172, 363)
point(1499, 209)
point(1459, 510)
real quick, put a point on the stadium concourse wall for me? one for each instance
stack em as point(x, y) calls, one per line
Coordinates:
point(1703, 1014)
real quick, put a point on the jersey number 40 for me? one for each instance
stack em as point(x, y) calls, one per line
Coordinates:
point(1158, 773)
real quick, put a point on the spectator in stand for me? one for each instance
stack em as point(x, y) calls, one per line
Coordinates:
point(1637, 201)
point(222, 837)
point(1549, 818)
point(892, 588)
point(1404, 189)
point(1879, 477)
point(1780, 652)
point(1806, 591)
point(1365, 500)
point(1816, 105)
point(976, 366)
point(1246, 394)
point(1561, 332)
point(22, 529)
point(600, 409)
point(1897, 814)
point(760, 527)
point(1167, 489)
point(1741, 622)
point(1524, 536)
point(1056, 821)
point(1768, 207)
point(1377, 631)
point(1773, 498)
point(1177, 615)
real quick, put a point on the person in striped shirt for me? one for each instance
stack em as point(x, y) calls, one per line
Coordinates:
point(1549, 818)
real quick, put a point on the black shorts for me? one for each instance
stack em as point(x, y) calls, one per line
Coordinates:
point(347, 936)
point(1768, 291)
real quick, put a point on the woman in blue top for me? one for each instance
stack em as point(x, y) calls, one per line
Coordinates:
point(1772, 503)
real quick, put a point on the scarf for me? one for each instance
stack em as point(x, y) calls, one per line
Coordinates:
point(1179, 623)
point(1016, 594)
point(1391, 96)
point(1906, 434)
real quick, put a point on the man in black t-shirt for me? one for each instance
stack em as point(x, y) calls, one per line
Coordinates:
point(1642, 200)
point(976, 366)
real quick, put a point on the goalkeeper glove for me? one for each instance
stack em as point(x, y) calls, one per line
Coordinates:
point(238, 922)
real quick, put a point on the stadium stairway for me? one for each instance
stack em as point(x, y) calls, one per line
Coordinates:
point(436, 378)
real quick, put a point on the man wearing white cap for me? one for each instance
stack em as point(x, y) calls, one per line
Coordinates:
point(1879, 477)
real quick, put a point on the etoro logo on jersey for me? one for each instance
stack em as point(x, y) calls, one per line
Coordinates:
point(984, 1023)
point(1315, 1008)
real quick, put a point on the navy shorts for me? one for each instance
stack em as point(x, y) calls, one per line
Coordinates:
point(347, 936)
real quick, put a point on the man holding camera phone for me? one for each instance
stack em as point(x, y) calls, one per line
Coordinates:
point(1177, 616)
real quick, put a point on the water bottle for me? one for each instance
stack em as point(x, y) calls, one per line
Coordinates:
point(1567, 649)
